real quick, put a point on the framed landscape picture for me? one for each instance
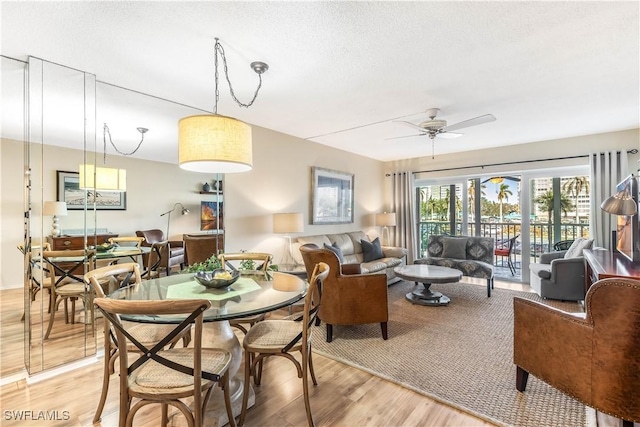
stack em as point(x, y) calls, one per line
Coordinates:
point(68, 190)
point(331, 196)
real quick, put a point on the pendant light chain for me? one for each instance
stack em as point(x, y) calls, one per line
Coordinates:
point(107, 132)
point(219, 48)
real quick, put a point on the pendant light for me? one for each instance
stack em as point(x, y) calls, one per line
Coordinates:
point(104, 178)
point(213, 143)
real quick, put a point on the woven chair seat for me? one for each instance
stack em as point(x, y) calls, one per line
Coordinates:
point(155, 379)
point(73, 288)
point(272, 335)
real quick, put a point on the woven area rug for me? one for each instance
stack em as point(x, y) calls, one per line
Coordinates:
point(461, 355)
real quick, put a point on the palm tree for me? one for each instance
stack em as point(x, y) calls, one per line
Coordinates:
point(472, 193)
point(575, 186)
point(545, 201)
point(503, 195)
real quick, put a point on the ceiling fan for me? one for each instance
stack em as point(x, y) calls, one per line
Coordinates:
point(439, 128)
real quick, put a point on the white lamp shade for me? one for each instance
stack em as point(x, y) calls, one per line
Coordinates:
point(386, 219)
point(214, 144)
point(108, 179)
point(288, 223)
point(55, 208)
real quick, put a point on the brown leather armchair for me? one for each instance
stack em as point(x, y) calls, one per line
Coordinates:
point(170, 257)
point(348, 297)
point(199, 247)
point(593, 357)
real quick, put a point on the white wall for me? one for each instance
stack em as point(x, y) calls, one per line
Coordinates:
point(576, 146)
point(279, 182)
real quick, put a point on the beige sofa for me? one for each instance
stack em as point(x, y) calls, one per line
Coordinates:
point(349, 244)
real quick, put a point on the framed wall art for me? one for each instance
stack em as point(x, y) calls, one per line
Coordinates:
point(331, 196)
point(68, 190)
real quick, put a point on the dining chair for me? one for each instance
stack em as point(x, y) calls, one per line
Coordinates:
point(505, 249)
point(35, 276)
point(66, 283)
point(155, 260)
point(148, 334)
point(166, 376)
point(282, 338)
point(127, 241)
point(199, 247)
point(252, 257)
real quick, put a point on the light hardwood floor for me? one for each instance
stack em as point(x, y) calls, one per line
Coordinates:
point(345, 396)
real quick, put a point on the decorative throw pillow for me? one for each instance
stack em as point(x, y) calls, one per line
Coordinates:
point(336, 250)
point(576, 248)
point(371, 251)
point(454, 247)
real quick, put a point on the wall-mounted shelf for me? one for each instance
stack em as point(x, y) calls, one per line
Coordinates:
point(211, 192)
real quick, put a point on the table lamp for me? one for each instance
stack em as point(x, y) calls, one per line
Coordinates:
point(386, 220)
point(286, 223)
point(56, 209)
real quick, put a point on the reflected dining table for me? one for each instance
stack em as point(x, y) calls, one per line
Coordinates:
point(253, 293)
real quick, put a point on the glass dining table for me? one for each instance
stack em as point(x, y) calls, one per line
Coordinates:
point(253, 293)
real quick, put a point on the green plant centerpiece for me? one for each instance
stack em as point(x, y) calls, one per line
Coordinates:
point(210, 264)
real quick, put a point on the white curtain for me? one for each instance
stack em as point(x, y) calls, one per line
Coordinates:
point(403, 204)
point(607, 170)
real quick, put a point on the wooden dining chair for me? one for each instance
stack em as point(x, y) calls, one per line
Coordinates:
point(148, 334)
point(66, 283)
point(127, 241)
point(263, 260)
point(282, 338)
point(165, 376)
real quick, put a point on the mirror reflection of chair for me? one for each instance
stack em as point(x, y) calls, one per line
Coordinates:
point(165, 376)
point(147, 334)
point(35, 274)
point(505, 249)
point(249, 259)
point(66, 269)
point(283, 338)
point(591, 356)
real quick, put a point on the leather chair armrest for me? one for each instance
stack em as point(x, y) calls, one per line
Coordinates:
point(554, 346)
point(176, 243)
point(349, 269)
point(547, 257)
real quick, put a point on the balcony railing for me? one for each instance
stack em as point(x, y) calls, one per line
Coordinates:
point(541, 234)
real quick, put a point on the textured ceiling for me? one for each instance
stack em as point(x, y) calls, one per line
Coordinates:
point(341, 72)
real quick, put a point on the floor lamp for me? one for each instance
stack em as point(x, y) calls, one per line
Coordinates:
point(184, 211)
point(286, 223)
point(386, 220)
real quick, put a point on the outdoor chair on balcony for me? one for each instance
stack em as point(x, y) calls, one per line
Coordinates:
point(505, 249)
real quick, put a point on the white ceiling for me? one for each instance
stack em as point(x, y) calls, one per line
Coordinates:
point(341, 72)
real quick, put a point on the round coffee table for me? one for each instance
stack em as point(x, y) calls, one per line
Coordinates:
point(427, 274)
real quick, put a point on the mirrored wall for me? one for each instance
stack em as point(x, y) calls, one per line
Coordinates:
point(61, 104)
point(53, 118)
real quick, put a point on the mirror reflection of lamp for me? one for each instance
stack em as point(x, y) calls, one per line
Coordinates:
point(287, 223)
point(56, 209)
point(386, 220)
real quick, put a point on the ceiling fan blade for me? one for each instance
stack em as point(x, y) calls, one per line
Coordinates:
point(449, 135)
point(406, 136)
point(471, 122)
point(413, 125)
